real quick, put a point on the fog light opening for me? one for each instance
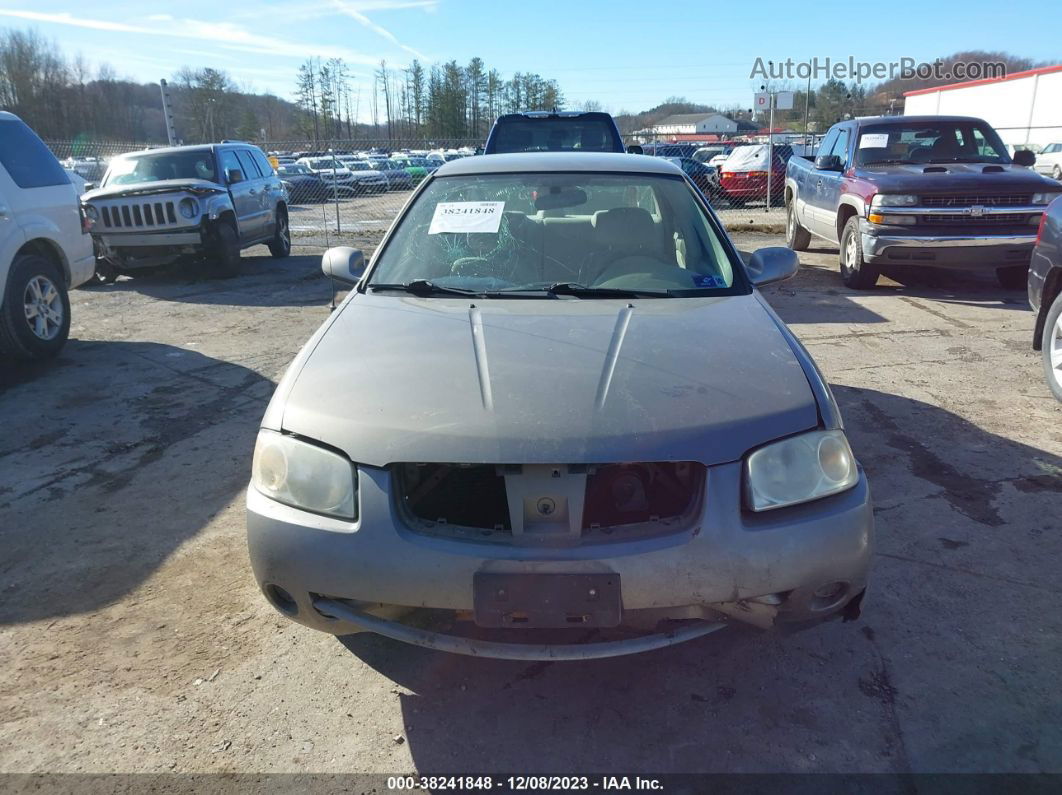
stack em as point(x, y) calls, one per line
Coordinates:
point(281, 600)
point(829, 595)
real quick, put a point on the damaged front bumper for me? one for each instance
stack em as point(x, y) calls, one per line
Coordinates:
point(788, 567)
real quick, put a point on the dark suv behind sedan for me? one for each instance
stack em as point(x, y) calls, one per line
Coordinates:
point(1045, 294)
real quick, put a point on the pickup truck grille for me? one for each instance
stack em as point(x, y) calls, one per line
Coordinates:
point(944, 219)
point(986, 200)
point(138, 214)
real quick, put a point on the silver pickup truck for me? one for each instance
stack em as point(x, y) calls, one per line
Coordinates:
point(162, 206)
point(918, 191)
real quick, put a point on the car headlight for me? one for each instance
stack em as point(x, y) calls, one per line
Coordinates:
point(893, 200)
point(1045, 198)
point(92, 213)
point(799, 469)
point(303, 475)
point(189, 207)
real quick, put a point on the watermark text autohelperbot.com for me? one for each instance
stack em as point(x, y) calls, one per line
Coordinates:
point(851, 69)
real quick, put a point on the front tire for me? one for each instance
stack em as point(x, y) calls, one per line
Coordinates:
point(1013, 278)
point(796, 237)
point(855, 272)
point(1051, 347)
point(35, 313)
point(226, 249)
point(280, 245)
point(1057, 173)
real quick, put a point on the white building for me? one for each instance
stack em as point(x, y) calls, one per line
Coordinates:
point(695, 124)
point(1024, 107)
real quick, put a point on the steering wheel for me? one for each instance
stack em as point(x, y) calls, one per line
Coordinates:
point(471, 266)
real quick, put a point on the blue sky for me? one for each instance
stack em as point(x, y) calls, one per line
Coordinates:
point(627, 55)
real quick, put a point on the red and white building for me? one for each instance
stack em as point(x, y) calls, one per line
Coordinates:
point(1024, 107)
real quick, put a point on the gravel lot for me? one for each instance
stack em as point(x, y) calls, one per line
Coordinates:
point(133, 638)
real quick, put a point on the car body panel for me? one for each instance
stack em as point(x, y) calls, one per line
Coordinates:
point(658, 402)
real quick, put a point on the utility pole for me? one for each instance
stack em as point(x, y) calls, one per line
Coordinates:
point(167, 114)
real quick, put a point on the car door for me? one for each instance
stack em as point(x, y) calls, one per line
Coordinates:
point(829, 185)
point(812, 182)
point(259, 202)
point(244, 202)
point(272, 190)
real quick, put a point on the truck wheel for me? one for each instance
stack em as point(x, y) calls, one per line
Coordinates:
point(855, 273)
point(1057, 173)
point(280, 245)
point(226, 250)
point(35, 313)
point(1051, 347)
point(796, 237)
point(1015, 277)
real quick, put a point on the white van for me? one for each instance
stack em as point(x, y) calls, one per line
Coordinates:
point(45, 247)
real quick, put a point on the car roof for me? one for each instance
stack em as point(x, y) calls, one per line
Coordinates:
point(165, 150)
point(558, 161)
point(927, 119)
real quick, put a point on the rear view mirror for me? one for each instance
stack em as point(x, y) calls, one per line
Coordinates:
point(773, 264)
point(234, 175)
point(344, 264)
point(1023, 157)
point(560, 197)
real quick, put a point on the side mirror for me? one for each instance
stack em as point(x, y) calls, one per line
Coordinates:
point(234, 175)
point(1023, 157)
point(634, 149)
point(90, 186)
point(773, 264)
point(344, 264)
point(828, 163)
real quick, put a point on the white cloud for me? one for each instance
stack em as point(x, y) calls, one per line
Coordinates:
point(225, 34)
point(352, 10)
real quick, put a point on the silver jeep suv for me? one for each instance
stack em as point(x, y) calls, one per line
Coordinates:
point(161, 206)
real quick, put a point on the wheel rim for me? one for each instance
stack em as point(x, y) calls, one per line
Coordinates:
point(850, 254)
point(285, 233)
point(44, 308)
point(1058, 173)
point(1055, 352)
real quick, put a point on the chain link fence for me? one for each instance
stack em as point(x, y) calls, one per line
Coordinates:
point(343, 188)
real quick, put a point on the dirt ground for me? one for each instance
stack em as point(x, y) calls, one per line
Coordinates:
point(133, 637)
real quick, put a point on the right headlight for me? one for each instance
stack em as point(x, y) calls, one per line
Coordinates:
point(799, 469)
point(304, 475)
point(893, 200)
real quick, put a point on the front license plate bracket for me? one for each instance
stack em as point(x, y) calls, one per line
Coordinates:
point(547, 600)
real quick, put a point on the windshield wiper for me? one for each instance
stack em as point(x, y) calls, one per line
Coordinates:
point(890, 162)
point(425, 287)
point(584, 291)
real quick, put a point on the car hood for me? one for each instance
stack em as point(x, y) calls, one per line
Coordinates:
point(157, 186)
point(439, 380)
point(977, 178)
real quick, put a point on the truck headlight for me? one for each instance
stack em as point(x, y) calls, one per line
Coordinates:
point(92, 213)
point(304, 475)
point(1045, 198)
point(893, 200)
point(189, 207)
point(799, 469)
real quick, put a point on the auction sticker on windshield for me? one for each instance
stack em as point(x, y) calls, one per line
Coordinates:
point(874, 141)
point(481, 217)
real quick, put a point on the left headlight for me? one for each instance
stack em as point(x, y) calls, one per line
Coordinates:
point(92, 213)
point(799, 469)
point(189, 207)
point(304, 475)
point(1045, 198)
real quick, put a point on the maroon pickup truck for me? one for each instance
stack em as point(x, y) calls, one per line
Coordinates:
point(929, 191)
